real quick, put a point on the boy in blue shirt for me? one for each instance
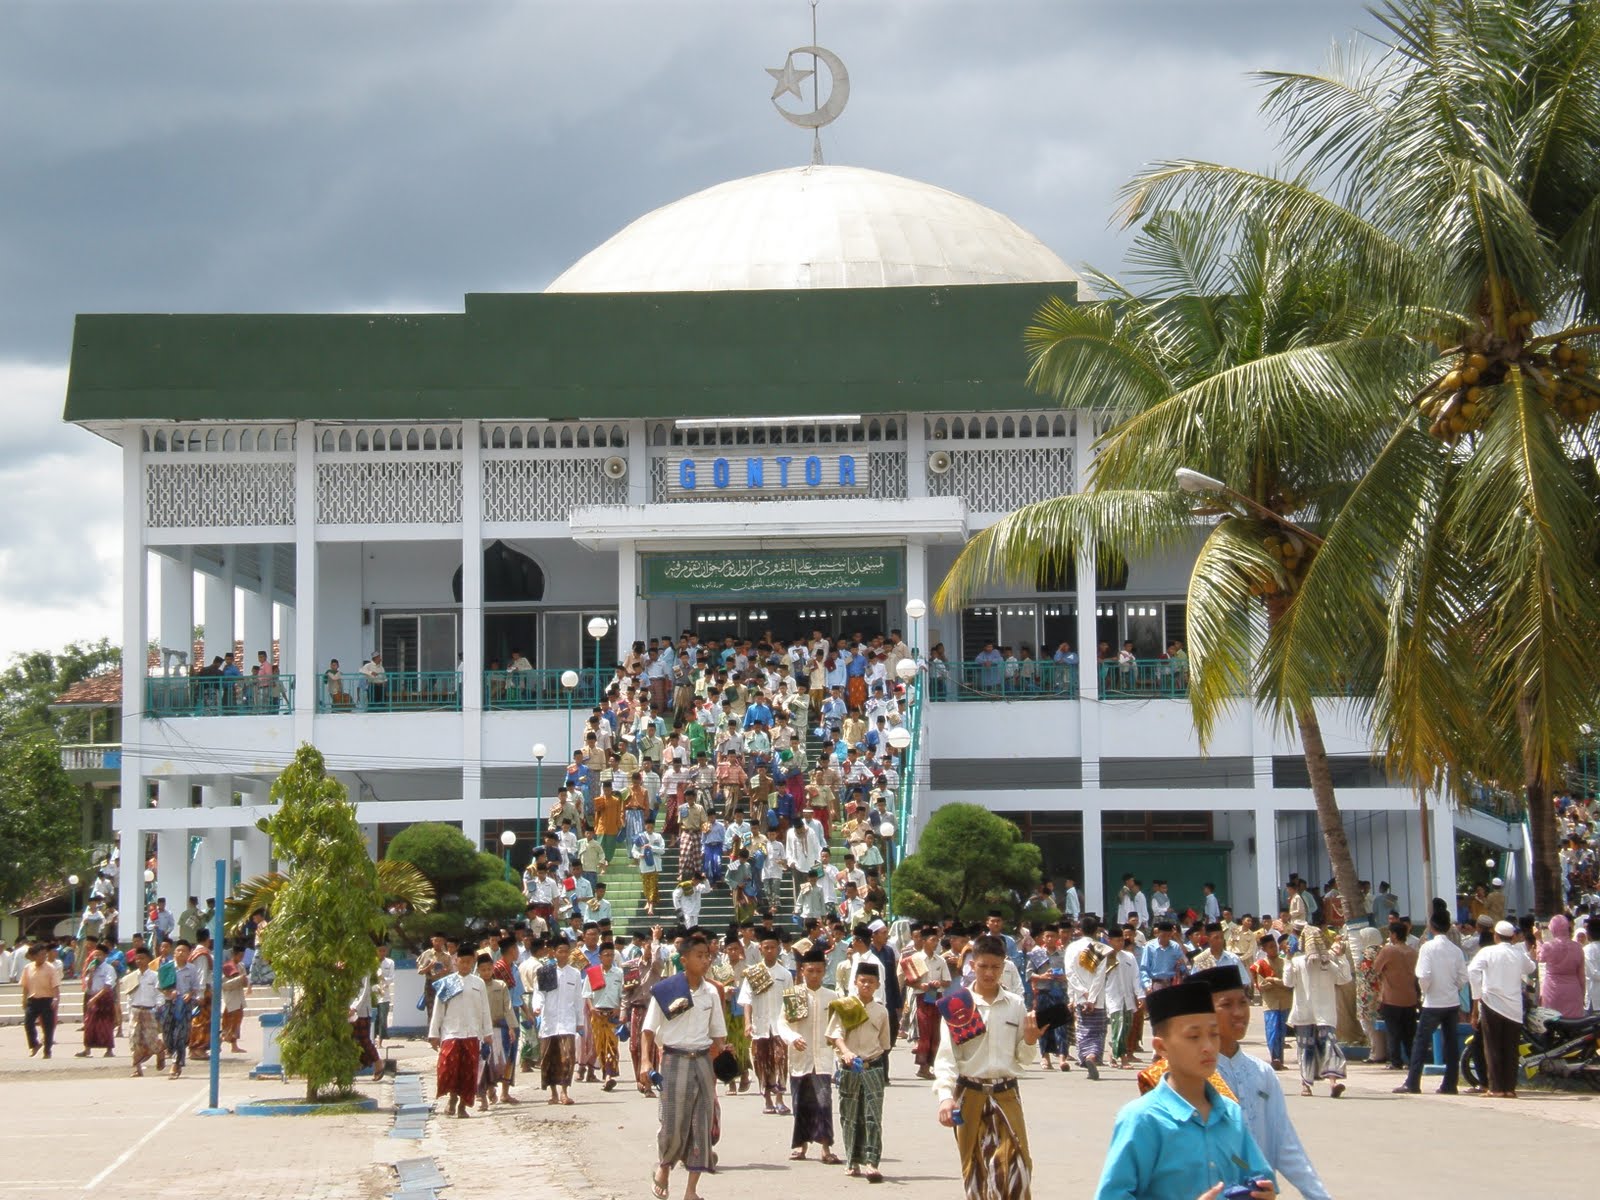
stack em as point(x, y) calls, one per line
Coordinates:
point(1183, 1135)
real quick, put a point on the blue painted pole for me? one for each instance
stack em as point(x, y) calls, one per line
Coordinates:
point(216, 992)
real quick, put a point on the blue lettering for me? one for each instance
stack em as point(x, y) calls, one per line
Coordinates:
point(783, 470)
point(719, 472)
point(753, 473)
point(686, 474)
point(847, 470)
point(813, 471)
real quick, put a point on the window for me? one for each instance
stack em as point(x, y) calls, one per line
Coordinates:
point(419, 641)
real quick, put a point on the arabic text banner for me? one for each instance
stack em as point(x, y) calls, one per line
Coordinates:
point(772, 573)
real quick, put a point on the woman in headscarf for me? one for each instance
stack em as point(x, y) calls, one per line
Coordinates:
point(1562, 987)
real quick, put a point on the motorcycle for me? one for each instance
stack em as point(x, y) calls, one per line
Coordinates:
point(1551, 1046)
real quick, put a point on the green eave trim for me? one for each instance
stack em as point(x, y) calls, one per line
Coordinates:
point(677, 354)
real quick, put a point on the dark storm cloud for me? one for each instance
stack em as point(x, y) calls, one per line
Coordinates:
point(363, 155)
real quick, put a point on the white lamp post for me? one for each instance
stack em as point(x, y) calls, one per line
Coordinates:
point(899, 737)
point(598, 627)
point(569, 682)
point(915, 611)
point(508, 840)
point(539, 751)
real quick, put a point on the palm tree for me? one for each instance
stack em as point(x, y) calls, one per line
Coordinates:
point(1464, 186)
point(1248, 361)
point(399, 883)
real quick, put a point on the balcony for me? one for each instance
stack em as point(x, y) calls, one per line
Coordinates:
point(91, 758)
point(1004, 682)
point(540, 688)
point(399, 691)
point(218, 696)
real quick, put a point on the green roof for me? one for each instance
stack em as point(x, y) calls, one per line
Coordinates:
point(703, 354)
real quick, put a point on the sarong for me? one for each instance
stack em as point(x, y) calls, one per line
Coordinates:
point(506, 1033)
point(650, 886)
point(812, 1097)
point(603, 1036)
point(993, 1143)
point(174, 1019)
point(861, 1116)
point(1275, 1025)
point(636, 1014)
point(855, 692)
point(687, 1110)
point(583, 1047)
point(1320, 1054)
point(770, 1057)
point(100, 1022)
point(1119, 1034)
point(555, 1061)
point(491, 1060)
point(145, 1040)
point(530, 1042)
point(1091, 1033)
point(738, 1040)
point(361, 1030)
point(457, 1072)
point(927, 1034)
point(689, 854)
point(200, 1027)
point(232, 1023)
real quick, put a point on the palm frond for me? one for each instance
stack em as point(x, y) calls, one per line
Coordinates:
point(401, 883)
point(1226, 622)
point(1044, 536)
point(258, 892)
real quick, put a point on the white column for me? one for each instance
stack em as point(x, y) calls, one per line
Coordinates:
point(177, 604)
point(1266, 860)
point(304, 663)
point(219, 631)
point(255, 852)
point(1442, 845)
point(135, 593)
point(1094, 871)
point(631, 620)
point(638, 462)
point(916, 458)
point(916, 589)
point(217, 793)
point(471, 614)
point(258, 610)
point(172, 862)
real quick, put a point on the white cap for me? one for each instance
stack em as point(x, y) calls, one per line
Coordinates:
point(1497, 882)
point(1505, 929)
point(877, 925)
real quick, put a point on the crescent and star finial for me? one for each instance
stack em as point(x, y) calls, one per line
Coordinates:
point(789, 77)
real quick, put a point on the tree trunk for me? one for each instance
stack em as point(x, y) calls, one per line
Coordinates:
point(1328, 815)
point(1546, 845)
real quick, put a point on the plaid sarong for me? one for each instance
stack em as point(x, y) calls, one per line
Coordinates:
point(687, 1109)
point(556, 1057)
point(861, 1116)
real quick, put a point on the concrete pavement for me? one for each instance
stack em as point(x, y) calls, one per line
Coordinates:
point(78, 1126)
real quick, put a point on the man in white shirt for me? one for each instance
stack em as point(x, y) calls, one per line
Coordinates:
point(558, 1002)
point(1496, 975)
point(763, 1018)
point(145, 1039)
point(1086, 961)
point(1591, 965)
point(685, 1021)
point(1124, 992)
point(1441, 974)
point(1071, 905)
point(459, 1025)
point(803, 1028)
point(1160, 902)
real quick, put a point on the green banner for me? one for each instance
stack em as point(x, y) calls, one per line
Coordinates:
point(776, 573)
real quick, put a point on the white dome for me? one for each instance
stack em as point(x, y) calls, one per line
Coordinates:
point(815, 227)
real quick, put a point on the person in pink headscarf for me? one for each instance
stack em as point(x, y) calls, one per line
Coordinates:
point(1562, 988)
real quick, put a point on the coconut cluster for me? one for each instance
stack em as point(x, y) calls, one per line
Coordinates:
point(1459, 401)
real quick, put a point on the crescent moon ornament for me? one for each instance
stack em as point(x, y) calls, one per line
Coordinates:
point(789, 78)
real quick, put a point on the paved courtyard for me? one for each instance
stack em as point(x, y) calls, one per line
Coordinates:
point(83, 1127)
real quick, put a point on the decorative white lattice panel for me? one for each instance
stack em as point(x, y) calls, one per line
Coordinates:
point(888, 477)
point(389, 492)
point(546, 488)
point(215, 494)
point(997, 479)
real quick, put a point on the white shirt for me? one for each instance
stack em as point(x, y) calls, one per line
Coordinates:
point(1441, 973)
point(1496, 976)
point(1086, 985)
point(464, 1015)
point(1070, 906)
point(1260, 1096)
point(1591, 973)
point(763, 1016)
point(1315, 988)
point(997, 1053)
point(559, 1009)
point(688, 903)
point(817, 1058)
point(1123, 988)
point(691, 1030)
point(386, 980)
point(146, 994)
point(1213, 909)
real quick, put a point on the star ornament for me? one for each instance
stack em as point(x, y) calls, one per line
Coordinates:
point(788, 78)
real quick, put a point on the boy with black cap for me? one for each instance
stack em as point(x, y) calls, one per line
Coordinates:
point(1183, 1133)
point(804, 1029)
point(1255, 1087)
point(859, 1030)
point(761, 997)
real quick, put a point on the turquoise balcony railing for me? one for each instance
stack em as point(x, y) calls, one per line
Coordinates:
point(539, 688)
point(218, 695)
point(1031, 680)
point(400, 691)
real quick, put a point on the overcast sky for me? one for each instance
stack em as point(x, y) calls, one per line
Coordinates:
point(274, 157)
